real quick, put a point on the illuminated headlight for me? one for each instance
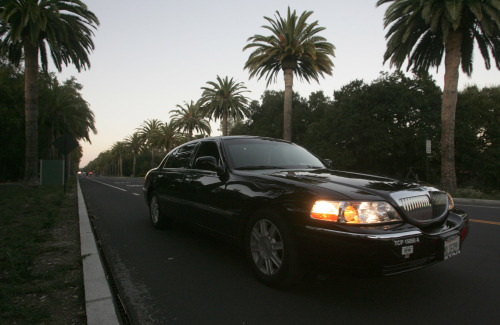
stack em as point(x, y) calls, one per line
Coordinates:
point(354, 212)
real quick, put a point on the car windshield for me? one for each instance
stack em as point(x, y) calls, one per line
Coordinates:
point(253, 154)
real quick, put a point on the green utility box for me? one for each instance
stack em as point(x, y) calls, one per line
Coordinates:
point(52, 172)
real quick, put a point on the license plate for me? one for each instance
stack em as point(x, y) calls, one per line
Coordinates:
point(451, 247)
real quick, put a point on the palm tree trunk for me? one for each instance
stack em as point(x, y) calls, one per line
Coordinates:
point(133, 165)
point(31, 111)
point(448, 110)
point(224, 122)
point(153, 158)
point(52, 139)
point(287, 109)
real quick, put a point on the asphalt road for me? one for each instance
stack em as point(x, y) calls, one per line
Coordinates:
point(181, 276)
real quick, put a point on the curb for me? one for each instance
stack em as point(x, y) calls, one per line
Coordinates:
point(99, 304)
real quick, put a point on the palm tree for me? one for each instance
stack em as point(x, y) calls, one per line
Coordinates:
point(224, 99)
point(190, 118)
point(27, 27)
point(104, 163)
point(80, 120)
point(118, 151)
point(167, 137)
point(149, 131)
point(134, 143)
point(293, 47)
point(64, 111)
point(421, 32)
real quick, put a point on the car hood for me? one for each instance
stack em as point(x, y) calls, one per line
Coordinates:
point(352, 185)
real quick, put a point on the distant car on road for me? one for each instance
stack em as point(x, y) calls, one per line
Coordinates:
point(288, 207)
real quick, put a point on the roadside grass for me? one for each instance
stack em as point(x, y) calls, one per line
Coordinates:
point(40, 265)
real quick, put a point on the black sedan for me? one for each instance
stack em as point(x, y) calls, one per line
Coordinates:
point(288, 208)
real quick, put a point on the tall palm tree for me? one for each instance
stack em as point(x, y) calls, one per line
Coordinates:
point(224, 99)
point(167, 137)
point(421, 32)
point(105, 162)
point(80, 120)
point(293, 47)
point(150, 130)
point(134, 143)
point(27, 27)
point(190, 118)
point(118, 151)
point(64, 111)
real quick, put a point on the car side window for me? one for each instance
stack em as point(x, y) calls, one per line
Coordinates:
point(181, 157)
point(169, 159)
point(207, 149)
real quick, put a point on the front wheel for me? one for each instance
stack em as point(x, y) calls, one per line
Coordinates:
point(158, 219)
point(271, 250)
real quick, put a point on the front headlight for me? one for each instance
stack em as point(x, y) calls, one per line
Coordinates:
point(370, 212)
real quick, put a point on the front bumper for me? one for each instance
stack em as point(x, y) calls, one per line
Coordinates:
point(386, 250)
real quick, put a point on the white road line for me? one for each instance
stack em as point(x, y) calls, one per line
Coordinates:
point(121, 189)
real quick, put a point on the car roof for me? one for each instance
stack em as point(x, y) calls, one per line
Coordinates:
point(230, 137)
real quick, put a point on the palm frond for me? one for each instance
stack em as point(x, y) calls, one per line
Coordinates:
point(418, 30)
point(293, 43)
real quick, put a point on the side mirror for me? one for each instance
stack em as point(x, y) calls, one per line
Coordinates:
point(210, 163)
point(328, 162)
point(206, 163)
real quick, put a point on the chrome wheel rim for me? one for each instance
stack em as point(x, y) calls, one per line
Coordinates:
point(266, 246)
point(155, 210)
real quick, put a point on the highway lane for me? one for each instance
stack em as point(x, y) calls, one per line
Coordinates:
point(482, 213)
point(181, 276)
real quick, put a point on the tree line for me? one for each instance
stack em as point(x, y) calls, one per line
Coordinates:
point(222, 100)
point(29, 32)
point(379, 127)
point(420, 33)
point(62, 111)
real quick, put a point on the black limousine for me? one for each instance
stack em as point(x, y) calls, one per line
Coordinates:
point(288, 208)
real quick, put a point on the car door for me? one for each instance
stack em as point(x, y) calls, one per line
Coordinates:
point(207, 189)
point(169, 183)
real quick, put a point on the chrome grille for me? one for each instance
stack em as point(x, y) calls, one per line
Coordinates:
point(425, 208)
point(419, 208)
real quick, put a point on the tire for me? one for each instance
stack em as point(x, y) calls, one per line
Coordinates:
point(158, 219)
point(270, 249)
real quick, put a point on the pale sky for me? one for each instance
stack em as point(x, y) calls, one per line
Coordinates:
point(152, 55)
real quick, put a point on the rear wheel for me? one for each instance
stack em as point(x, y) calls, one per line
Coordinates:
point(158, 219)
point(271, 250)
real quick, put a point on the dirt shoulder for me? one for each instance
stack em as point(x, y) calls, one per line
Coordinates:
point(41, 278)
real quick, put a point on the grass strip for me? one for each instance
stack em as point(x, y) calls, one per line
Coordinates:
point(40, 268)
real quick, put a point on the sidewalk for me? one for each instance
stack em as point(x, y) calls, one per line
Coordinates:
point(99, 304)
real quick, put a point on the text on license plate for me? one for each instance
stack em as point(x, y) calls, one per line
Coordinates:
point(451, 247)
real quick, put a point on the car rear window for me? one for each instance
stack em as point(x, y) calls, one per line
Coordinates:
point(181, 158)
